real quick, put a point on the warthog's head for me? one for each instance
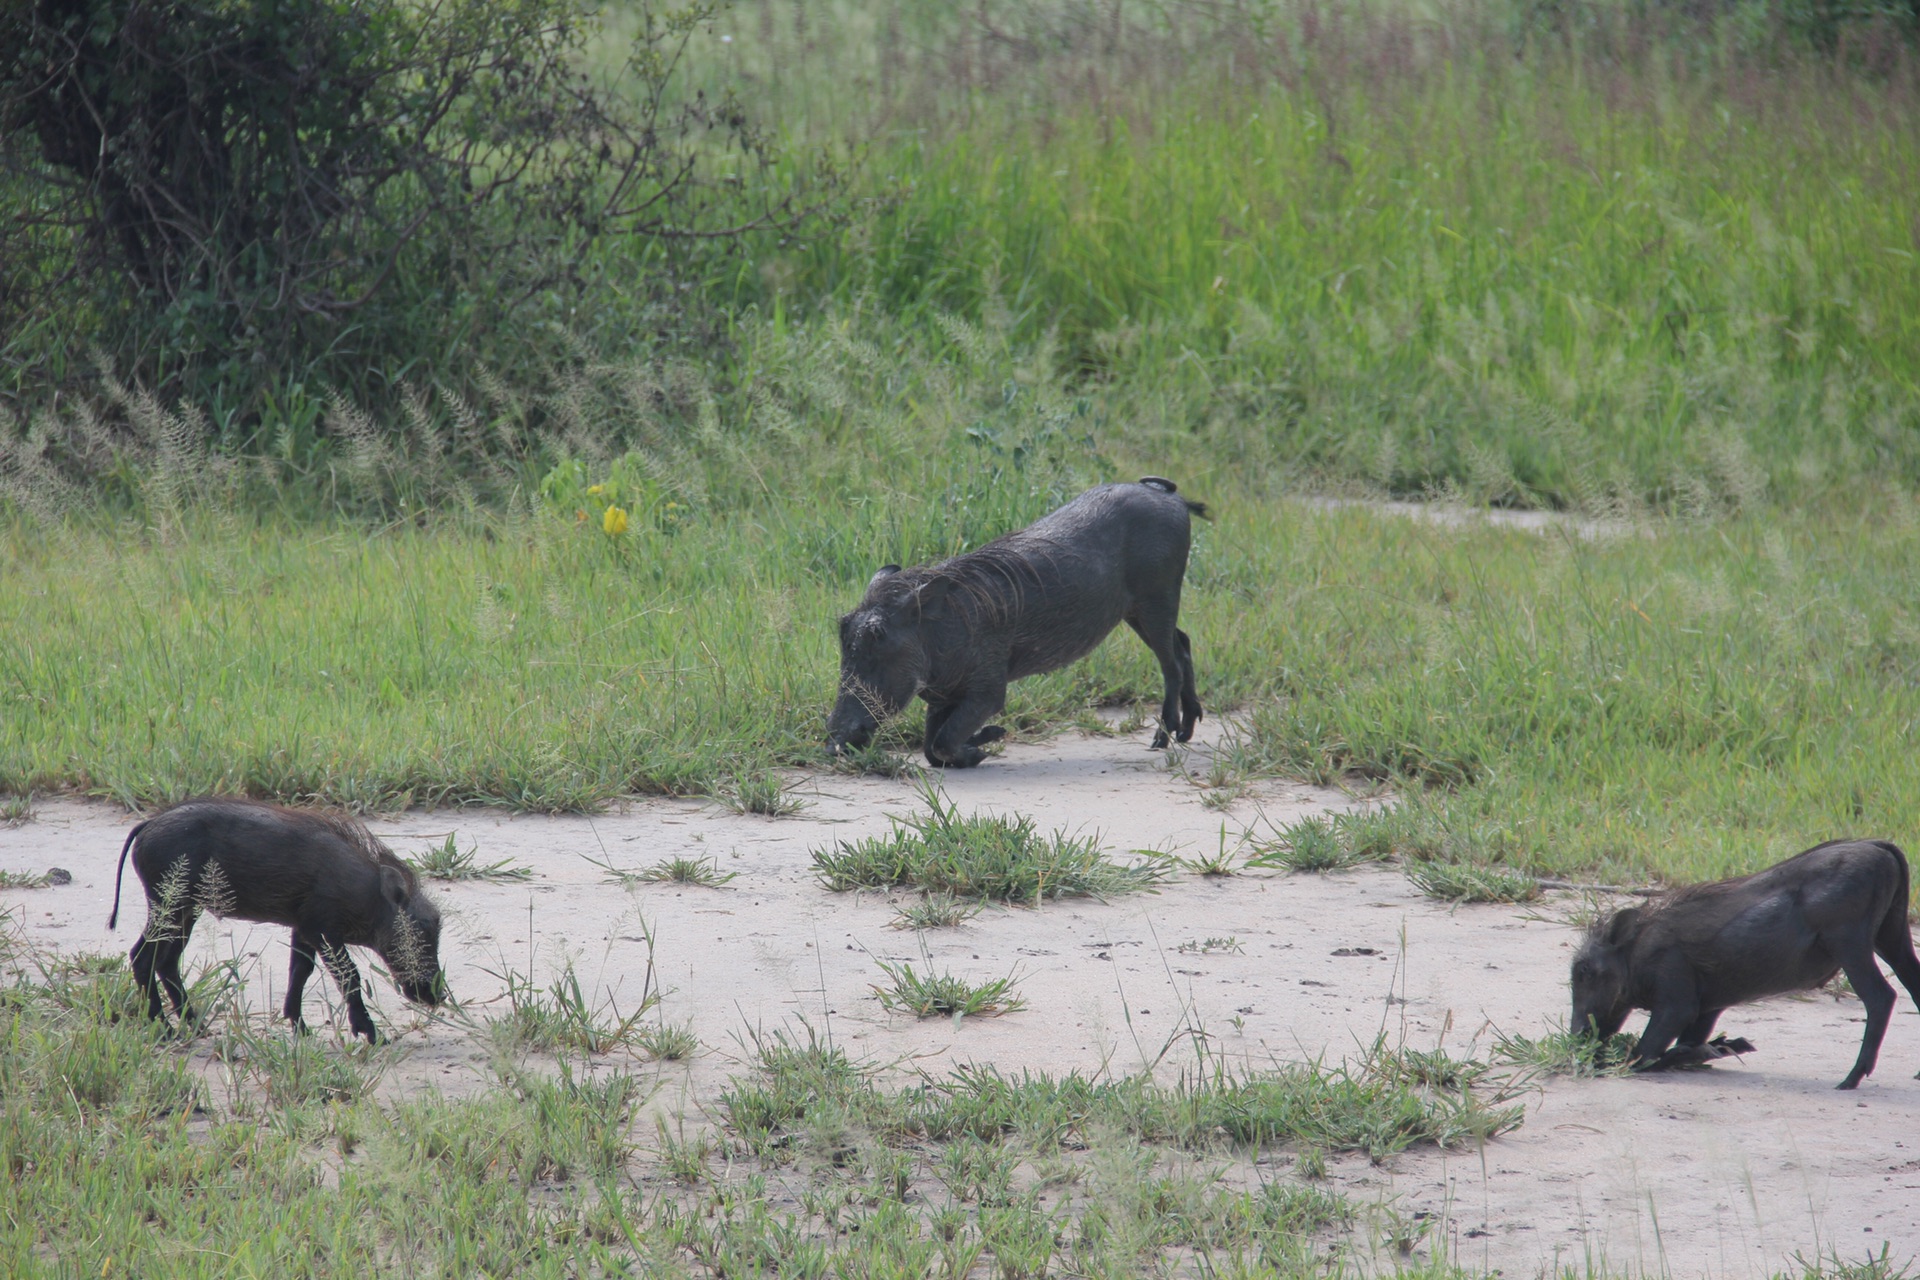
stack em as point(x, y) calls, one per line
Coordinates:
point(883, 657)
point(1600, 995)
point(410, 943)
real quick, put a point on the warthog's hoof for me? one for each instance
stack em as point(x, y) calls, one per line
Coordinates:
point(992, 733)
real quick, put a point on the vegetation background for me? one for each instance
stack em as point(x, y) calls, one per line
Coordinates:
point(519, 444)
point(928, 274)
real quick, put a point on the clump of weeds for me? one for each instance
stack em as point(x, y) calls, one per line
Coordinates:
point(997, 859)
point(934, 911)
point(760, 791)
point(930, 994)
point(448, 861)
point(1462, 882)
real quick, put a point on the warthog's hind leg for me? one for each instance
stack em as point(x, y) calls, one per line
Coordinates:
point(1171, 646)
point(1877, 994)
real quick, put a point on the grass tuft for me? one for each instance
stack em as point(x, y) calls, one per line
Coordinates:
point(1561, 1053)
point(679, 870)
point(1311, 844)
point(664, 1043)
point(447, 861)
point(990, 858)
point(934, 911)
point(1454, 882)
point(761, 791)
point(561, 1016)
point(930, 994)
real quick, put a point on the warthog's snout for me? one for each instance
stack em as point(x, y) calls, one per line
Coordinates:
point(430, 993)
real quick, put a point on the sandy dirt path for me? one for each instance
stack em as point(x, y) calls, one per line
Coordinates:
point(1725, 1172)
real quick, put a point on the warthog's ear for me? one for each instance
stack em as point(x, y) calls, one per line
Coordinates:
point(1623, 926)
point(393, 886)
point(882, 572)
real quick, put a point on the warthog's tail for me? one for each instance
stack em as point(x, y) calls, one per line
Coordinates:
point(118, 875)
point(1894, 937)
point(1165, 485)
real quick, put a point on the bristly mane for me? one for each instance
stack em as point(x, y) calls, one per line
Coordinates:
point(344, 825)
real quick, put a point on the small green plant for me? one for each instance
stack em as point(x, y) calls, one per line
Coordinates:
point(1221, 862)
point(1460, 882)
point(561, 1016)
point(1311, 844)
point(760, 791)
point(1209, 946)
point(677, 870)
point(874, 760)
point(23, 880)
point(296, 1069)
point(665, 1043)
point(685, 1159)
point(447, 861)
point(934, 911)
point(1403, 1232)
point(993, 858)
point(15, 810)
point(1872, 1266)
point(1560, 1053)
point(929, 994)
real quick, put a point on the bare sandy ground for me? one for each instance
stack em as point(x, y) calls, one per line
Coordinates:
point(1724, 1172)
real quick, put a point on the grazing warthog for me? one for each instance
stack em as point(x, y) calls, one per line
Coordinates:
point(323, 875)
point(957, 632)
point(1689, 955)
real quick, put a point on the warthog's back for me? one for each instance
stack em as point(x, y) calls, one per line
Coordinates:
point(272, 862)
point(1059, 586)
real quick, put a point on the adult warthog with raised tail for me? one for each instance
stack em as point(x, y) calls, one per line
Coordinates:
point(1690, 954)
point(955, 633)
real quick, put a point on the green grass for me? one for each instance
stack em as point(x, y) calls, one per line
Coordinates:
point(983, 857)
point(1462, 248)
point(1308, 844)
point(935, 911)
point(927, 994)
point(1687, 704)
point(761, 792)
point(564, 1016)
point(448, 861)
point(1563, 1053)
point(678, 870)
point(1455, 882)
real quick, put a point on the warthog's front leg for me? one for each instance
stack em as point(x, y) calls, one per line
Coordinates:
point(347, 974)
point(298, 972)
point(956, 731)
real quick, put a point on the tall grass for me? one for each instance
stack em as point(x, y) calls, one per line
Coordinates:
point(1544, 264)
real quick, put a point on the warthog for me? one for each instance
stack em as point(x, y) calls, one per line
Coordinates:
point(1689, 955)
point(323, 875)
point(957, 632)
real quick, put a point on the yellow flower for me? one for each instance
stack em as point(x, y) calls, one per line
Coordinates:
point(614, 522)
point(595, 490)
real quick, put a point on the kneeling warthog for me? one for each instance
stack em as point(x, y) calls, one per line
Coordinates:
point(957, 632)
point(1689, 955)
point(323, 875)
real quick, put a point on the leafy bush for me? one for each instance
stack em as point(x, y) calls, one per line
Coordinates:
point(268, 198)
